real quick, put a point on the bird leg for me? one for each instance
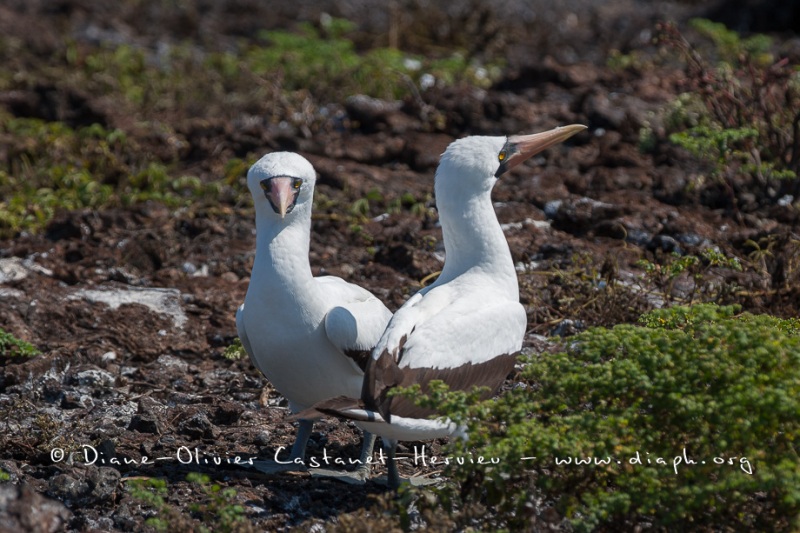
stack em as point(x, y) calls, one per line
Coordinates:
point(296, 460)
point(365, 459)
point(355, 477)
point(392, 475)
point(301, 440)
point(393, 478)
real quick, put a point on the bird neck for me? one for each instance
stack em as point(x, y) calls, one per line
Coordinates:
point(473, 239)
point(281, 262)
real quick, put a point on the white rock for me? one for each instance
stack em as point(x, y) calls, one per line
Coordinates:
point(162, 301)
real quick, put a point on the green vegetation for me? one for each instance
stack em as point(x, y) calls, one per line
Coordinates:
point(55, 165)
point(583, 290)
point(408, 201)
point(11, 346)
point(324, 61)
point(235, 350)
point(739, 115)
point(217, 512)
point(668, 269)
point(731, 48)
point(686, 385)
point(688, 421)
point(151, 492)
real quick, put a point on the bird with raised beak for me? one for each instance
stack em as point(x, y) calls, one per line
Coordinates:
point(465, 328)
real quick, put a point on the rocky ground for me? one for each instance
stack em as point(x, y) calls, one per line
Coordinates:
point(132, 308)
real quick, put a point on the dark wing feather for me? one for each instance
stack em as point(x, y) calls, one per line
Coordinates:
point(489, 374)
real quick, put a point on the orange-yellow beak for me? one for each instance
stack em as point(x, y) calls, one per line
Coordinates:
point(519, 148)
point(281, 191)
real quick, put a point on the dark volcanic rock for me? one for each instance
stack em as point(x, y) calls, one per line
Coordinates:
point(228, 413)
point(103, 482)
point(24, 509)
point(68, 489)
point(144, 423)
point(198, 426)
point(578, 216)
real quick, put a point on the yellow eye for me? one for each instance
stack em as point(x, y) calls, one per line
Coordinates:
point(296, 184)
point(501, 156)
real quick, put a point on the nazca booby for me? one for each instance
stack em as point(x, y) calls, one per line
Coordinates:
point(310, 336)
point(465, 328)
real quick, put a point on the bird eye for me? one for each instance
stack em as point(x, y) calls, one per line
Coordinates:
point(501, 156)
point(296, 183)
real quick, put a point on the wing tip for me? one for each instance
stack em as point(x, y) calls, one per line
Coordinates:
point(341, 407)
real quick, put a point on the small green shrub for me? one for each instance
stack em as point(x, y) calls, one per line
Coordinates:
point(689, 421)
point(216, 513)
point(166, 82)
point(152, 492)
point(731, 46)
point(665, 270)
point(739, 114)
point(325, 62)
point(11, 346)
point(235, 350)
point(52, 166)
point(583, 290)
point(219, 511)
point(122, 68)
point(408, 202)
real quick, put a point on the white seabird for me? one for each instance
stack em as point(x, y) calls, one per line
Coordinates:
point(310, 336)
point(466, 328)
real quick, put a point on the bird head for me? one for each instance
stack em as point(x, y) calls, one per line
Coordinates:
point(480, 160)
point(279, 181)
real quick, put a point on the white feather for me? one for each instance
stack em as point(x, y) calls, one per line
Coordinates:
point(358, 319)
point(294, 326)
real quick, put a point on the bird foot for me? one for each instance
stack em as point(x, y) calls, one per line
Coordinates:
point(272, 467)
point(355, 477)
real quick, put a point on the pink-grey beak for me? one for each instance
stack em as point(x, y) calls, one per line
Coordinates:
point(281, 191)
point(519, 148)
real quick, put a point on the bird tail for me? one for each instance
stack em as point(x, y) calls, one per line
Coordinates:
point(340, 407)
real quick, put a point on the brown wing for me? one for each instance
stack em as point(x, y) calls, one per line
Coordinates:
point(380, 376)
point(384, 374)
point(489, 374)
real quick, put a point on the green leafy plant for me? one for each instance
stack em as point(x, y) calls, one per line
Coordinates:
point(289, 76)
point(731, 46)
point(235, 350)
point(687, 421)
point(216, 513)
point(53, 166)
point(775, 257)
point(324, 61)
point(219, 510)
point(152, 492)
point(11, 346)
point(417, 207)
point(583, 290)
point(739, 115)
point(667, 269)
point(166, 82)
